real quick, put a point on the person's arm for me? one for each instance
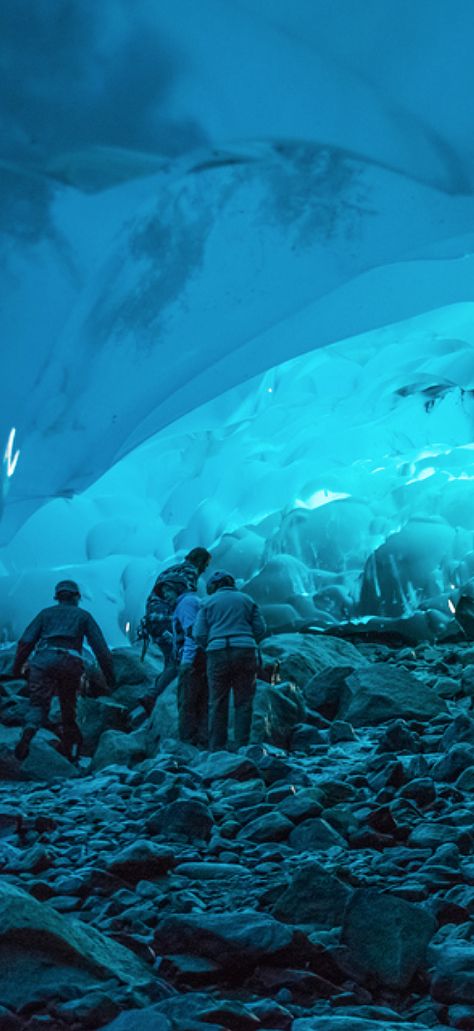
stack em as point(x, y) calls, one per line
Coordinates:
point(189, 611)
point(98, 644)
point(25, 645)
point(258, 623)
point(201, 629)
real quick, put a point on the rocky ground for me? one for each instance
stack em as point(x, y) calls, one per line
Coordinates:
point(322, 879)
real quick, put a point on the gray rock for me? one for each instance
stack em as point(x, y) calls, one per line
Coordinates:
point(129, 668)
point(458, 759)
point(246, 937)
point(465, 781)
point(381, 692)
point(431, 834)
point(141, 860)
point(314, 835)
point(301, 656)
point(211, 871)
point(387, 937)
point(303, 805)
point(453, 975)
point(118, 749)
point(185, 817)
point(398, 737)
point(460, 731)
point(45, 763)
point(271, 827)
point(42, 932)
point(421, 790)
point(9, 1022)
point(304, 737)
point(341, 731)
point(223, 765)
point(146, 1019)
point(276, 711)
point(325, 691)
point(313, 896)
point(95, 716)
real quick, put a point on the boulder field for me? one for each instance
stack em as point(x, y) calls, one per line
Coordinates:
point(320, 879)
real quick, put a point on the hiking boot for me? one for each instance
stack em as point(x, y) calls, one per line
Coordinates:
point(23, 747)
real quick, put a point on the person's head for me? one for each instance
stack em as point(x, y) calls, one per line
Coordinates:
point(67, 591)
point(218, 580)
point(200, 558)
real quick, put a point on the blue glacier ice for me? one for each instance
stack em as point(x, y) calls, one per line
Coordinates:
point(237, 304)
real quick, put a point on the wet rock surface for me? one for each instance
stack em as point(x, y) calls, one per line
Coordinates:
point(320, 878)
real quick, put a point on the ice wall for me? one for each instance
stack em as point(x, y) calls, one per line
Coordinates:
point(294, 181)
point(336, 485)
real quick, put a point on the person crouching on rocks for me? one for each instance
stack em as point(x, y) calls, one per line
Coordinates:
point(55, 637)
point(229, 627)
point(191, 664)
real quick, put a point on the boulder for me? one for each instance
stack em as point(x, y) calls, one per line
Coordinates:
point(276, 711)
point(453, 975)
point(163, 722)
point(116, 748)
point(325, 691)
point(460, 731)
point(303, 805)
point(45, 763)
point(381, 692)
point(247, 938)
point(95, 716)
point(185, 817)
point(129, 669)
point(40, 947)
point(301, 656)
point(386, 936)
point(313, 896)
point(431, 834)
point(223, 765)
point(270, 827)
point(315, 835)
point(451, 765)
point(142, 860)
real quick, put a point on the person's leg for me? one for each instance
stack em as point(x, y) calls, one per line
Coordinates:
point(218, 675)
point(41, 686)
point(244, 675)
point(186, 705)
point(168, 674)
point(69, 682)
point(201, 702)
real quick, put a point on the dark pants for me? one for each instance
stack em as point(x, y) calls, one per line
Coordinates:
point(192, 703)
point(231, 669)
point(54, 672)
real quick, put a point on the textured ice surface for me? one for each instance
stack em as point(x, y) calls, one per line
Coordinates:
point(287, 323)
point(336, 484)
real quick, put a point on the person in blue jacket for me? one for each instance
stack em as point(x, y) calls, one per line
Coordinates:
point(191, 664)
point(229, 627)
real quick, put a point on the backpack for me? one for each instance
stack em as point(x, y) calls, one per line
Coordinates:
point(156, 623)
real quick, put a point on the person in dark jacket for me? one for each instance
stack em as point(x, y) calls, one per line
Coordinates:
point(157, 622)
point(55, 638)
point(229, 627)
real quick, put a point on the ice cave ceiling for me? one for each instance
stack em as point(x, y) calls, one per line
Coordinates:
point(237, 302)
